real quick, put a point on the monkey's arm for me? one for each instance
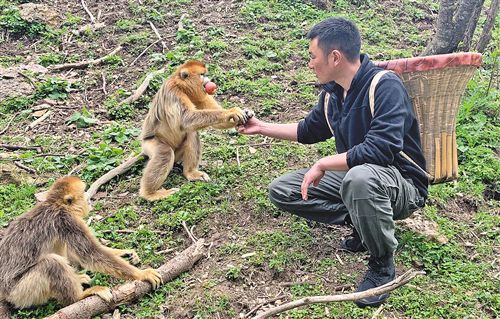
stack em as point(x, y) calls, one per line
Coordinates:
point(198, 119)
point(83, 246)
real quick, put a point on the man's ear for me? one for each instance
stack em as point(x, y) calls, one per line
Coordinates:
point(335, 57)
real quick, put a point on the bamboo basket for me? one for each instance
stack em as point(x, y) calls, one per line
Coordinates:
point(435, 85)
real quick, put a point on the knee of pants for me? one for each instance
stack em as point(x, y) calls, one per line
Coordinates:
point(278, 190)
point(358, 183)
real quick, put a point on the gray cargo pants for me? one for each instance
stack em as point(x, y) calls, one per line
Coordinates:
point(374, 196)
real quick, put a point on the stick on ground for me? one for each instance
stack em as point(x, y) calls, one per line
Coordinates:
point(398, 282)
point(142, 88)
point(94, 305)
point(83, 64)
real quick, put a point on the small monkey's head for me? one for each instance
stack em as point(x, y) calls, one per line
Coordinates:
point(69, 191)
point(191, 78)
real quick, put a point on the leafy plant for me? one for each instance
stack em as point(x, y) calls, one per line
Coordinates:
point(54, 88)
point(83, 119)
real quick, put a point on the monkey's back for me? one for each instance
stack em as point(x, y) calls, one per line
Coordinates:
point(164, 119)
point(24, 241)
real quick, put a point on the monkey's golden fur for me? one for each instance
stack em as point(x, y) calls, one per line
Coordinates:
point(39, 247)
point(169, 133)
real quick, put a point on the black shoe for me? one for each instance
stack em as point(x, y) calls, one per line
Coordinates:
point(353, 243)
point(380, 271)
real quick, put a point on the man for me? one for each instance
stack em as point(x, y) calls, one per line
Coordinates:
point(368, 182)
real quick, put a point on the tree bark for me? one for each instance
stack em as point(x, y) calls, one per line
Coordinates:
point(453, 19)
point(94, 305)
point(471, 26)
point(488, 27)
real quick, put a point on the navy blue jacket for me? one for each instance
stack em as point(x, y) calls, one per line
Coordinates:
point(366, 139)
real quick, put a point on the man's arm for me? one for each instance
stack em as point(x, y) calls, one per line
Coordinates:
point(279, 131)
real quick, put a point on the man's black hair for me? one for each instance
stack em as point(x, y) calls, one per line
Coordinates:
point(337, 33)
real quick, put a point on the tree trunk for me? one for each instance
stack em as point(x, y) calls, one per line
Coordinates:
point(488, 27)
point(453, 19)
point(471, 27)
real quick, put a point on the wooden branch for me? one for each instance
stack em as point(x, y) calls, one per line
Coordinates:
point(8, 124)
point(19, 147)
point(84, 5)
point(163, 44)
point(82, 64)
point(122, 168)
point(398, 282)
point(38, 120)
point(144, 51)
point(128, 292)
point(26, 168)
point(142, 88)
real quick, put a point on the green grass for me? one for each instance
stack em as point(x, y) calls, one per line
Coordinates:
point(259, 61)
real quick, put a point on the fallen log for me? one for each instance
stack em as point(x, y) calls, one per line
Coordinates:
point(130, 291)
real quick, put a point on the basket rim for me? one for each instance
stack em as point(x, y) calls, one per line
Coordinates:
point(431, 62)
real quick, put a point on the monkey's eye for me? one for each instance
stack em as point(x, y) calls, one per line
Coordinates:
point(202, 77)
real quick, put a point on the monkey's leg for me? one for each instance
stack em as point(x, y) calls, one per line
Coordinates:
point(191, 149)
point(51, 277)
point(161, 161)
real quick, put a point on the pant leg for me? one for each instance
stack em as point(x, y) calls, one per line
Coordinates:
point(324, 202)
point(375, 196)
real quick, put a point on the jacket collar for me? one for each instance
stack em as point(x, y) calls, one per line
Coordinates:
point(366, 64)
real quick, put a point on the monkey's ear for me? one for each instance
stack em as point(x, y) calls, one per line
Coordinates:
point(184, 74)
point(68, 199)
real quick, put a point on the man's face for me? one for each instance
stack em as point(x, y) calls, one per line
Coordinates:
point(318, 62)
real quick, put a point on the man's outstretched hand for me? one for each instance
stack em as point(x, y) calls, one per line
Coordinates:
point(251, 126)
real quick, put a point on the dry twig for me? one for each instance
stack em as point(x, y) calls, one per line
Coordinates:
point(189, 232)
point(163, 44)
point(83, 64)
point(19, 147)
point(144, 51)
point(38, 120)
point(84, 5)
point(398, 282)
point(8, 124)
point(26, 168)
point(142, 88)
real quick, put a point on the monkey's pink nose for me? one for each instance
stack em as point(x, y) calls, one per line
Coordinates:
point(210, 88)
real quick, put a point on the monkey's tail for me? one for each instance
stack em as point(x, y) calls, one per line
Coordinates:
point(122, 168)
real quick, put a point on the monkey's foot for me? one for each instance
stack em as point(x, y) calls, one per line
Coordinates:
point(103, 292)
point(197, 176)
point(84, 279)
point(152, 276)
point(159, 194)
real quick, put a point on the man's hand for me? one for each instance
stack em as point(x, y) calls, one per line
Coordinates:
point(313, 176)
point(252, 126)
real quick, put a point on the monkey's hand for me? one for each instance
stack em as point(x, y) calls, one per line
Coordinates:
point(248, 114)
point(152, 276)
point(236, 115)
